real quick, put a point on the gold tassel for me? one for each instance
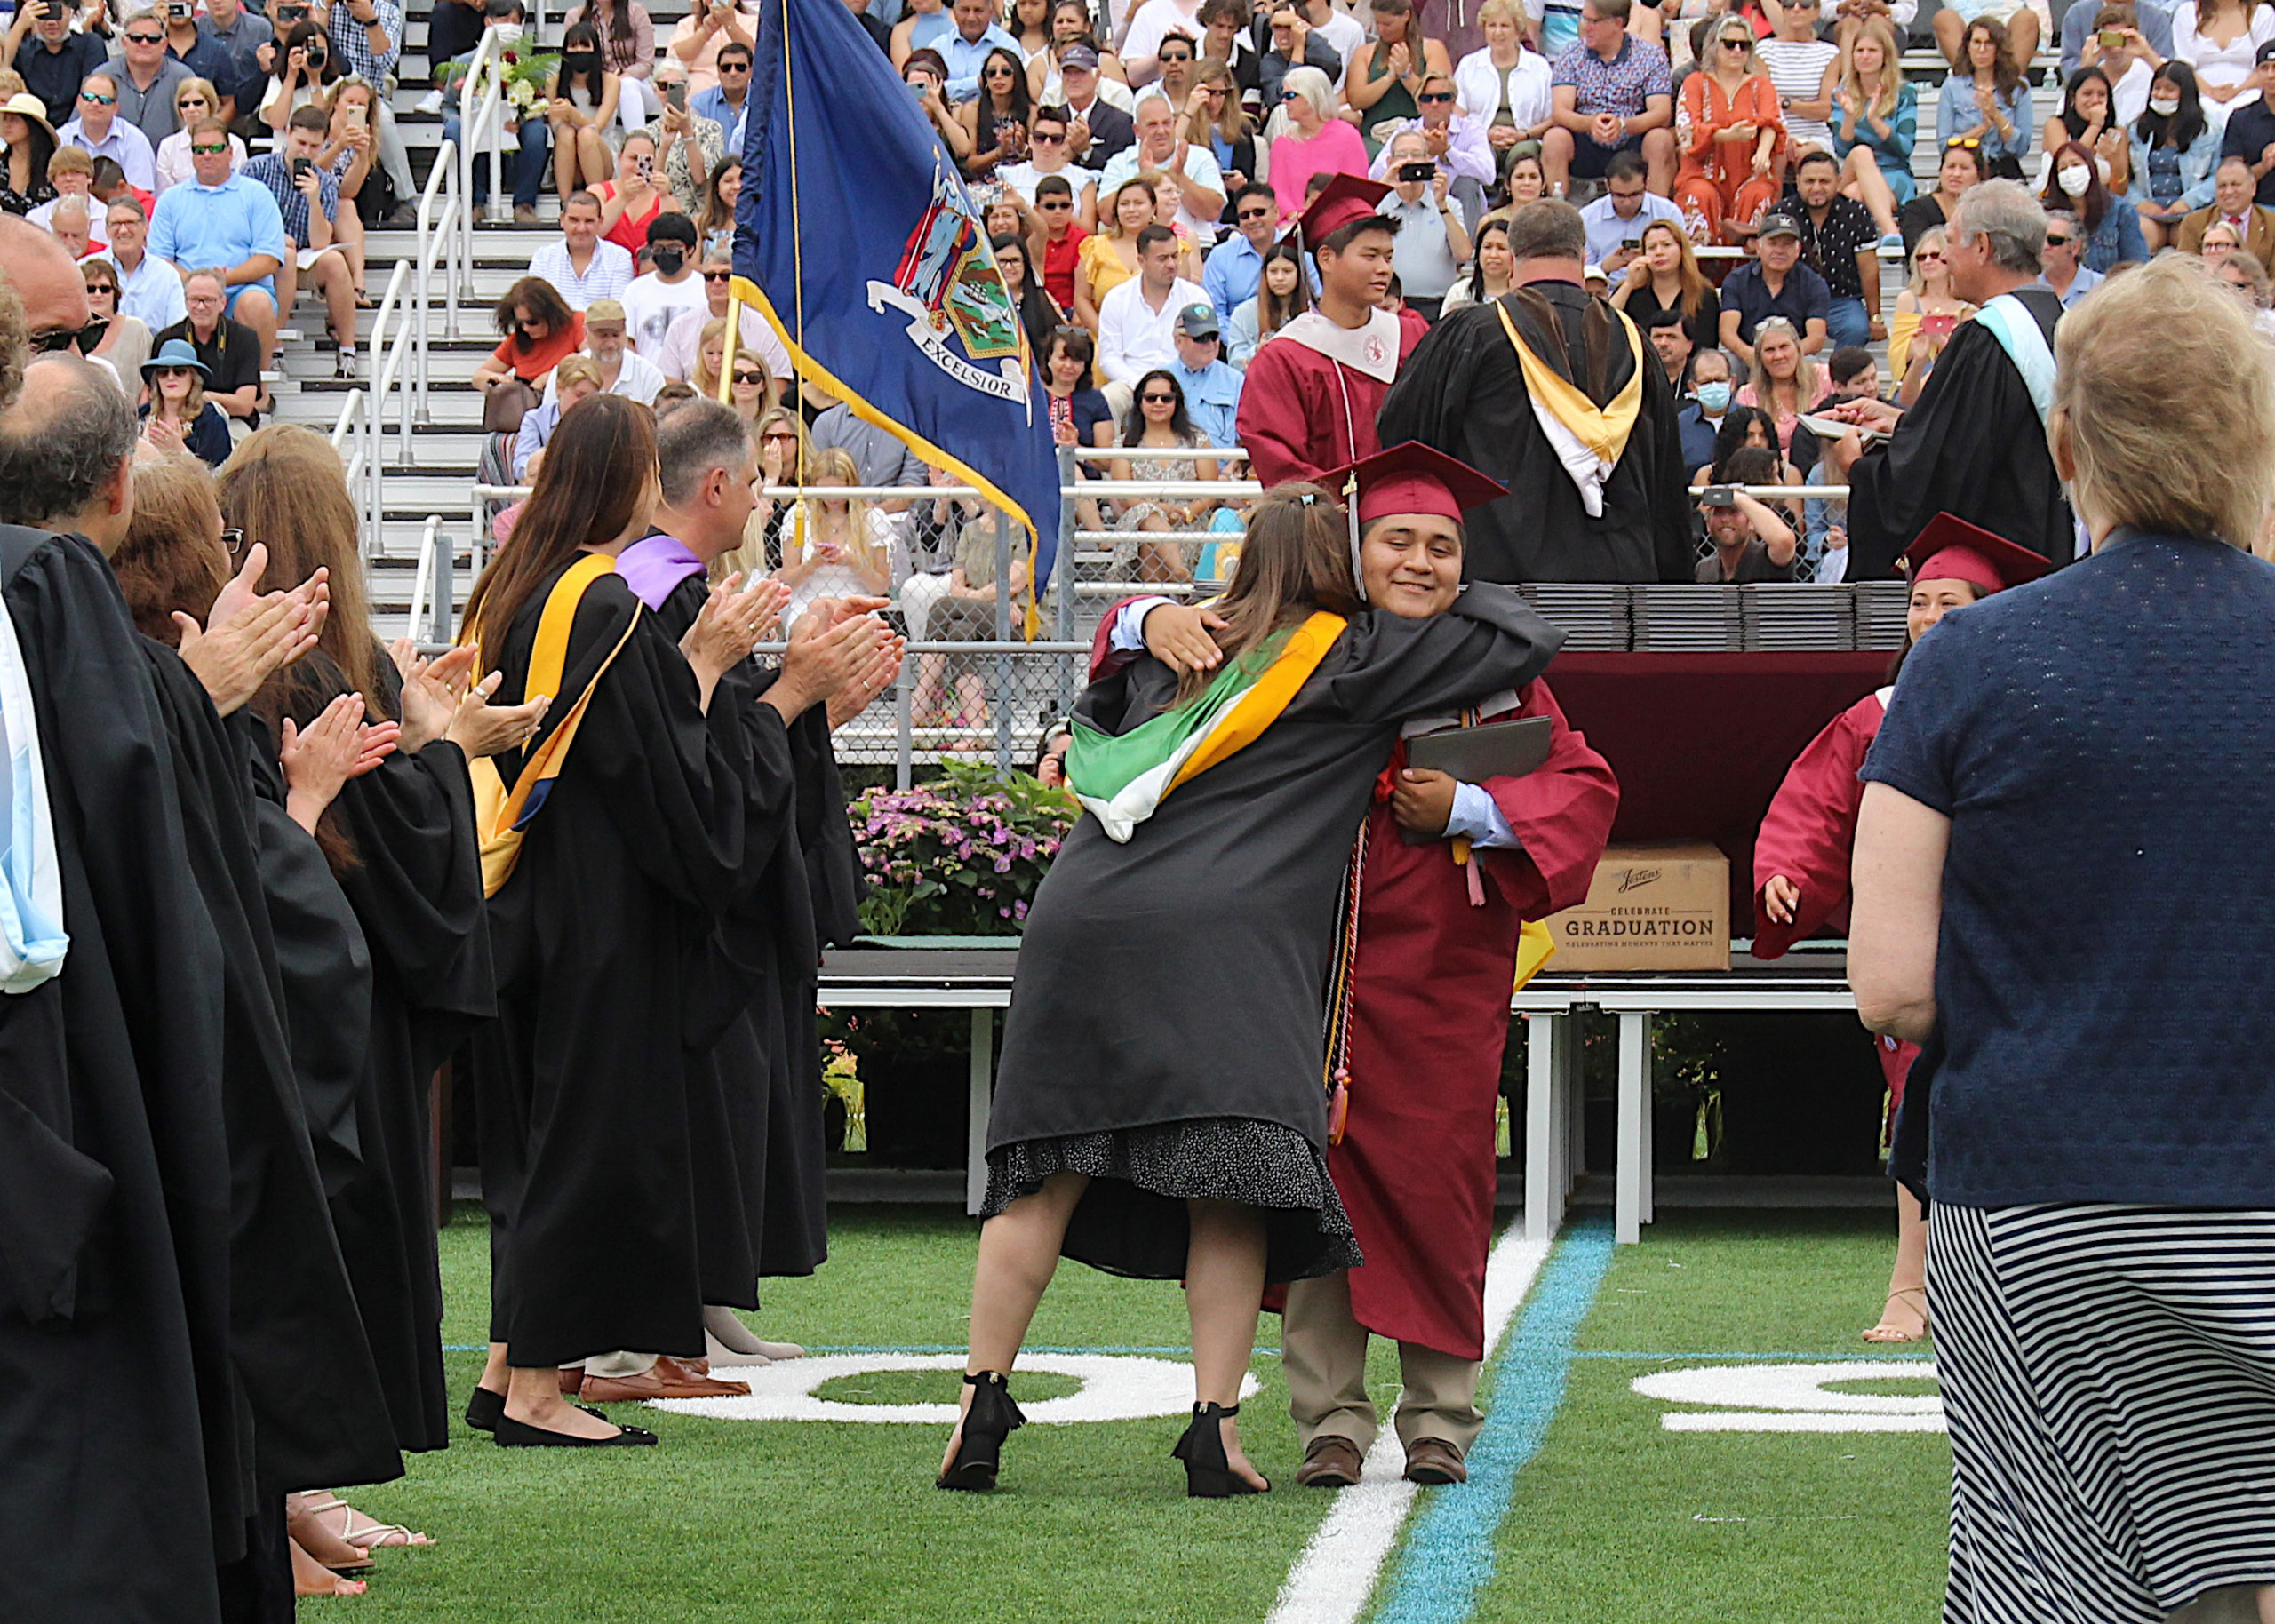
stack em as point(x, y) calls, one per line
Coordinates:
point(1501, 1142)
point(840, 1074)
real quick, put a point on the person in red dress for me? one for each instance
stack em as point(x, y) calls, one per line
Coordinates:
point(1450, 872)
point(1311, 392)
point(1801, 857)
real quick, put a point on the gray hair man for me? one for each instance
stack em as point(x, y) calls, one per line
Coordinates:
point(1974, 445)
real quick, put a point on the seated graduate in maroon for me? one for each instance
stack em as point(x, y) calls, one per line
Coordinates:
point(1802, 857)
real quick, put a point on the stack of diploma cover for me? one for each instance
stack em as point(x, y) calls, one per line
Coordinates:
point(1675, 619)
point(1593, 616)
point(1880, 606)
point(1793, 616)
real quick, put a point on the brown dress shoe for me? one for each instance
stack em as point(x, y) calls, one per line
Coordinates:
point(1434, 1461)
point(667, 1378)
point(1332, 1463)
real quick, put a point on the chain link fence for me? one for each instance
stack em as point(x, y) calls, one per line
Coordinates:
point(991, 666)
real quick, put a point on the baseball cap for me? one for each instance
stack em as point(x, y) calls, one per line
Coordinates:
point(2265, 51)
point(604, 310)
point(1198, 322)
point(1778, 224)
point(1078, 57)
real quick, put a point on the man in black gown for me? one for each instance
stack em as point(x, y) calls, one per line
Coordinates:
point(157, 1190)
point(1590, 449)
point(1974, 445)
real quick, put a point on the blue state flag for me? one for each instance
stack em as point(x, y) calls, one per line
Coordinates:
point(854, 237)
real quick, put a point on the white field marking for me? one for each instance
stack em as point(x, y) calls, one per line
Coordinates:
point(1332, 1581)
point(1789, 1398)
point(1115, 1387)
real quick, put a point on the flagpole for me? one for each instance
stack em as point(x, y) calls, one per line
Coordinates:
point(797, 245)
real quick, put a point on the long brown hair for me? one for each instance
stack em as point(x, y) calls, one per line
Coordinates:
point(283, 487)
point(1695, 285)
point(172, 557)
point(1296, 559)
point(596, 469)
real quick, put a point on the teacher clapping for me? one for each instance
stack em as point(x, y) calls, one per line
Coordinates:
point(2062, 892)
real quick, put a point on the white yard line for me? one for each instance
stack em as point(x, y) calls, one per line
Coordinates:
point(1333, 1578)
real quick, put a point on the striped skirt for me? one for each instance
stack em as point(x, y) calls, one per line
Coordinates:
point(2109, 1377)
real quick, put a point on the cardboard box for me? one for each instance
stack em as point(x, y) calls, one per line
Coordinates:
point(1650, 907)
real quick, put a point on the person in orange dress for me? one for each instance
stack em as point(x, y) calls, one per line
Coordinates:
point(1735, 149)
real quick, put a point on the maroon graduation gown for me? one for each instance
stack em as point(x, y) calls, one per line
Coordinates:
point(1809, 836)
point(1430, 1013)
point(1302, 413)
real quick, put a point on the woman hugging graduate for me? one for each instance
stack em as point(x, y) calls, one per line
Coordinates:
point(1450, 872)
point(1161, 1108)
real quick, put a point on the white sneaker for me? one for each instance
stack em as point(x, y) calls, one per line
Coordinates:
point(431, 103)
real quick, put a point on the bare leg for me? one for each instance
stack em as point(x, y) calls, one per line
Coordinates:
point(1659, 153)
point(533, 1397)
point(337, 283)
point(1224, 1291)
point(1951, 36)
point(2022, 28)
point(312, 1578)
point(1556, 159)
point(2267, 1604)
point(288, 291)
point(1867, 183)
point(592, 157)
point(565, 159)
point(1018, 1253)
point(493, 1370)
point(1904, 1319)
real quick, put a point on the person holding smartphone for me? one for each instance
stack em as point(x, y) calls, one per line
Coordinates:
point(1752, 542)
point(1433, 244)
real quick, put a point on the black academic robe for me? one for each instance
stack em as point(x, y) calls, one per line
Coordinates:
point(115, 1173)
point(583, 1079)
point(312, 1402)
point(1973, 446)
point(1463, 392)
point(413, 888)
point(1181, 976)
point(769, 1198)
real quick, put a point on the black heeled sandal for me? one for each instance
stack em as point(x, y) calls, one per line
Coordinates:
point(980, 1451)
point(1208, 1473)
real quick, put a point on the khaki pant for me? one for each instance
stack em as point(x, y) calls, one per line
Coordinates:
point(1324, 1353)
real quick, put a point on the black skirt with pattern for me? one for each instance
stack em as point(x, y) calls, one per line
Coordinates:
point(1132, 1218)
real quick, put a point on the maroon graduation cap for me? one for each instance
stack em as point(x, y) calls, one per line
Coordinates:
point(1408, 478)
point(1343, 201)
point(1951, 549)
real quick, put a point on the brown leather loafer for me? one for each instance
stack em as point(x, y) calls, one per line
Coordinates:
point(668, 1378)
point(1434, 1461)
point(1332, 1463)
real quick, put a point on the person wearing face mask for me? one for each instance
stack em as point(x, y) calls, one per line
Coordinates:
point(1700, 417)
point(652, 301)
point(1452, 869)
point(2112, 225)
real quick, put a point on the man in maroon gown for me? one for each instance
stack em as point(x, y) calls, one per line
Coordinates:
point(1311, 392)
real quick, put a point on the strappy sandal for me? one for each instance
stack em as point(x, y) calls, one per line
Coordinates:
point(1885, 1332)
point(361, 1530)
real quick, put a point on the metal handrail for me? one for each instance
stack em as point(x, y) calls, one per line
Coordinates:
point(480, 121)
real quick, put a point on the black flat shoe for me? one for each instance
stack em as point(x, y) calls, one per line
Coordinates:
point(512, 1434)
point(1208, 1473)
point(483, 1409)
point(980, 1451)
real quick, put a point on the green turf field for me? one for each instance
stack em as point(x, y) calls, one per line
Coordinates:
point(1615, 1518)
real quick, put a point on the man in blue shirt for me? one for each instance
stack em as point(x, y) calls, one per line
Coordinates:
point(724, 103)
point(227, 223)
point(1236, 265)
point(1700, 416)
point(1212, 389)
point(1774, 282)
point(964, 47)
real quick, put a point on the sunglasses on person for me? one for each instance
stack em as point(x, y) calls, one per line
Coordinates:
point(95, 98)
point(1159, 400)
point(1043, 137)
point(2053, 242)
point(1182, 56)
point(531, 327)
point(1734, 42)
point(162, 373)
point(188, 102)
point(778, 437)
point(144, 39)
point(1935, 254)
point(718, 275)
point(210, 148)
point(1290, 95)
point(233, 540)
point(1971, 142)
point(734, 68)
point(1247, 215)
point(62, 338)
point(1430, 98)
point(742, 376)
point(1057, 205)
